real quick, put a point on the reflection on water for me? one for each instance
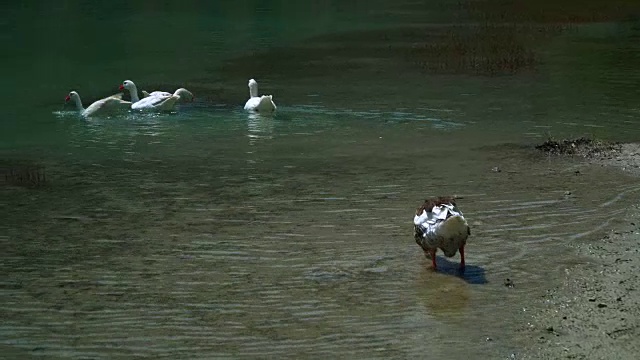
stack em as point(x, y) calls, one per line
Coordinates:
point(260, 127)
point(427, 115)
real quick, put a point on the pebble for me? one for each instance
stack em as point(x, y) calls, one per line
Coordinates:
point(550, 329)
point(509, 283)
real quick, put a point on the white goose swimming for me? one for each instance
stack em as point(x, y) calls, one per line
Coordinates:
point(157, 100)
point(259, 104)
point(108, 106)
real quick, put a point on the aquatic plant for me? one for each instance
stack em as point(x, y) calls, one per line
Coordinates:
point(488, 49)
point(26, 175)
point(552, 11)
point(475, 49)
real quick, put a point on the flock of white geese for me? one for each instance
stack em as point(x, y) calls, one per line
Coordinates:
point(159, 101)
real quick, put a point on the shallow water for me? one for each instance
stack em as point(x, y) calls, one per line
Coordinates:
point(211, 233)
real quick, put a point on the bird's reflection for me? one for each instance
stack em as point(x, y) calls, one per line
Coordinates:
point(260, 128)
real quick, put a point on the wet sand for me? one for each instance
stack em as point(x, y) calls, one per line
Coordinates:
point(593, 310)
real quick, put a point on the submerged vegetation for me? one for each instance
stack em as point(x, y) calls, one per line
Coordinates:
point(552, 11)
point(474, 49)
point(22, 174)
point(483, 50)
point(496, 37)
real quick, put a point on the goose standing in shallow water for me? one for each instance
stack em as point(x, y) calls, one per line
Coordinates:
point(439, 224)
point(259, 104)
point(157, 100)
point(108, 106)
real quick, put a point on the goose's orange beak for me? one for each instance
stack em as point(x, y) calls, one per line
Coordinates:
point(121, 87)
point(67, 98)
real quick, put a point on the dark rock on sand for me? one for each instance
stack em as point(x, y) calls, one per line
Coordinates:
point(582, 146)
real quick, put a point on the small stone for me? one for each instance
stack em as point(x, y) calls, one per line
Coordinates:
point(564, 318)
point(550, 329)
point(592, 299)
point(488, 339)
point(567, 193)
point(601, 305)
point(619, 299)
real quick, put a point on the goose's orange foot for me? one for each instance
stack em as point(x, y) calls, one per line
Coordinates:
point(433, 259)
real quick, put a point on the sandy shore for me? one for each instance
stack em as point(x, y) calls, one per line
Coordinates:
point(594, 312)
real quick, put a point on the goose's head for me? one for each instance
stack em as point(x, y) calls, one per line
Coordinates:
point(185, 95)
point(72, 96)
point(128, 85)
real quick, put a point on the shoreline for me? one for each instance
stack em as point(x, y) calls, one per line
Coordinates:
point(593, 312)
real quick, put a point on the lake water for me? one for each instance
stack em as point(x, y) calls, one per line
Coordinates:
point(211, 233)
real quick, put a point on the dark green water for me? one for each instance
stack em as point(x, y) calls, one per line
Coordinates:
point(209, 233)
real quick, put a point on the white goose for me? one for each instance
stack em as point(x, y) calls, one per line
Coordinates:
point(157, 100)
point(259, 104)
point(107, 106)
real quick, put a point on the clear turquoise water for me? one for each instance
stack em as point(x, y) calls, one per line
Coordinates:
point(210, 233)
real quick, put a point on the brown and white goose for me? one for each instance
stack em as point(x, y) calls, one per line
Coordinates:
point(439, 224)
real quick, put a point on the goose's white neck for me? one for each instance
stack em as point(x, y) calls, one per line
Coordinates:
point(253, 90)
point(133, 91)
point(78, 102)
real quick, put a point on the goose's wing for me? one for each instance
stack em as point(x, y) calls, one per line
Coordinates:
point(116, 103)
point(155, 93)
point(266, 104)
point(116, 96)
point(150, 102)
point(107, 106)
point(252, 103)
point(169, 103)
